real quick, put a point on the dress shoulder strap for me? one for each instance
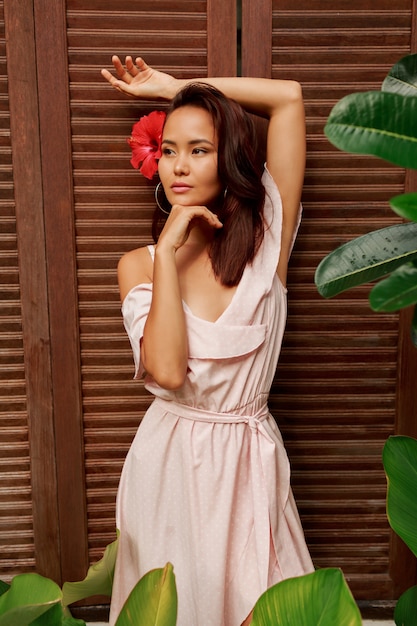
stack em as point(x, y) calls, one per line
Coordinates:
point(151, 249)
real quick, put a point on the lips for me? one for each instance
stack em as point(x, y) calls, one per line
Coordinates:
point(180, 187)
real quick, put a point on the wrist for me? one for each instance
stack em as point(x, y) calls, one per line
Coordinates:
point(165, 250)
point(171, 89)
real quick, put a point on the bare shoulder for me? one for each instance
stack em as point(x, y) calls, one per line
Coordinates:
point(134, 268)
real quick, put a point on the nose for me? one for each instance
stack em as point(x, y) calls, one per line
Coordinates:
point(181, 165)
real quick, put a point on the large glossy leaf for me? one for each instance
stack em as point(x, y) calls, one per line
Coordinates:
point(99, 579)
point(405, 205)
point(377, 123)
point(322, 597)
point(397, 291)
point(402, 77)
point(71, 621)
point(3, 587)
point(53, 617)
point(153, 601)
point(405, 613)
point(400, 462)
point(56, 616)
point(366, 258)
point(29, 597)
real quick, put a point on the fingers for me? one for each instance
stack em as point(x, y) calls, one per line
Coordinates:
point(118, 66)
point(131, 68)
point(193, 212)
point(106, 74)
point(213, 220)
point(180, 222)
point(120, 85)
point(126, 72)
point(140, 64)
point(210, 217)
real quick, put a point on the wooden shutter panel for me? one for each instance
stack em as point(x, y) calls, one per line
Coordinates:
point(16, 523)
point(113, 210)
point(336, 388)
point(23, 327)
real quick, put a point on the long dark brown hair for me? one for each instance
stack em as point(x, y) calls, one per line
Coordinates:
point(241, 209)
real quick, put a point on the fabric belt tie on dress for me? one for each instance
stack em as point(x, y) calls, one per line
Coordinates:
point(266, 462)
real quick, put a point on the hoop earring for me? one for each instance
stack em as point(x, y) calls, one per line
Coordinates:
point(159, 205)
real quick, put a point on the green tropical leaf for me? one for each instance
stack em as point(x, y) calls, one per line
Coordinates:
point(322, 597)
point(3, 587)
point(99, 579)
point(405, 613)
point(153, 601)
point(56, 616)
point(400, 462)
point(402, 77)
point(405, 205)
point(52, 617)
point(29, 597)
point(366, 258)
point(71, 621)
point(397, 291)
point(377, 123)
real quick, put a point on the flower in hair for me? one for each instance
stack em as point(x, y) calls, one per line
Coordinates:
point(145, 143)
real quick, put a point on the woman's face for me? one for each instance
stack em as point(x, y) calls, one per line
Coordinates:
point(188, 165)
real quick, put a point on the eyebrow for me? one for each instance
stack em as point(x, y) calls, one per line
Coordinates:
point(190, 143)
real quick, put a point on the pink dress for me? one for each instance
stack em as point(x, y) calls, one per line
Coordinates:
point(206, 482)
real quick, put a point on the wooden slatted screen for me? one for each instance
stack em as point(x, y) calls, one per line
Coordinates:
point(114, 206)
point(335, 393)
point(16, 523)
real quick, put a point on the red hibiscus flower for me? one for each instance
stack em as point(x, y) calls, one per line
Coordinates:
point(145, 143)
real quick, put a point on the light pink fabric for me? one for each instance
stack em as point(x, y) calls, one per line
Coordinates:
point(206, 483)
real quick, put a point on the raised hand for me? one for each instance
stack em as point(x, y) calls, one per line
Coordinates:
point(180, 221)
point(139, 80)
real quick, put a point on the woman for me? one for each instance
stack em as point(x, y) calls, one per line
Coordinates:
point(206, 482)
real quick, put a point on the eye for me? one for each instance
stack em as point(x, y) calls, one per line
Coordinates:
point(167, 151)
point(199, 151)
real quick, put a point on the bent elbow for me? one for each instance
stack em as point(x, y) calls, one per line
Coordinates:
point(171, 381)
point(295, 91)
point(168, 376)
point(169, 372)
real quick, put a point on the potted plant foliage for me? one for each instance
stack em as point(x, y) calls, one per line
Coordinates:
point(400, 463)
point(384, 124)
point(322, 597)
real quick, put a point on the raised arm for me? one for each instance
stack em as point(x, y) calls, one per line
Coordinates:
point(280, 101)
